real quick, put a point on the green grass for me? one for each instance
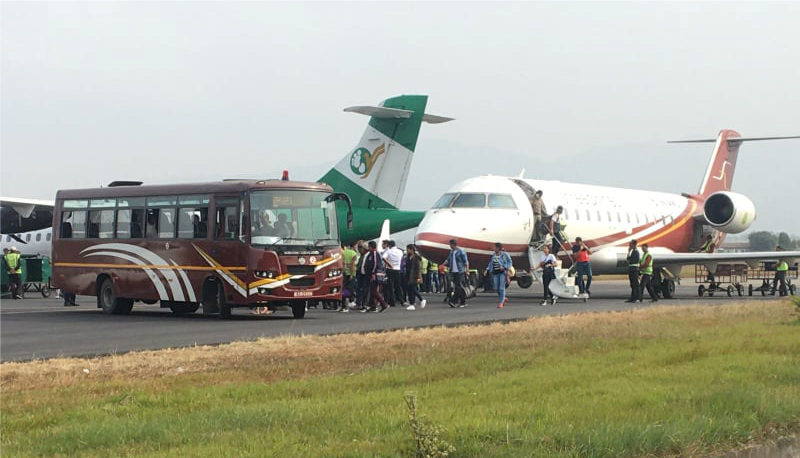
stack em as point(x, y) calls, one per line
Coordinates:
point(682, 382)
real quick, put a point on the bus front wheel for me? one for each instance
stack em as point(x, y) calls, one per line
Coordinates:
point(108, 301)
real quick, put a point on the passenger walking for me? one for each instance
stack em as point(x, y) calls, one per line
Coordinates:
point(413, 278)
point(458, 264)
point(424, 268)
point(538, 210)
point(373, 267)
point(633, 271)
point(583, 266)
point(548, 266)
point(393, 257)
point(781, 268)
point(363, 278)
point(555, 230)
point(498, 268)
point(14, 265)
point(646, 269)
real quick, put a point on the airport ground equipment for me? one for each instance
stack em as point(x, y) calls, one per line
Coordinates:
point(35, 276)
point(765, 272)
point(728, 279)
point(563, 285)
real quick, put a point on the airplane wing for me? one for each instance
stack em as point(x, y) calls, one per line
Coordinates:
point(25, 206)
point(712, 259)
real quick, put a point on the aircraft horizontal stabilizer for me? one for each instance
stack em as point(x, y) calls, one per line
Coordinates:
point(380, 112)
point(394, 113)
point(433, 119)
point(733, 139)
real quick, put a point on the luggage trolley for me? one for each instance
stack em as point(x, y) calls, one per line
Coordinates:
point(766, 273)
point(35, 276)
point(732, 275)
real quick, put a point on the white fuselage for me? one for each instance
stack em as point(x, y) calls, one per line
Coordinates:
point(607, 218)
point(36, 242)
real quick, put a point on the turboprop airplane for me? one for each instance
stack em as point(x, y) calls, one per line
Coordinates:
point(373, 174)
point(483, 210)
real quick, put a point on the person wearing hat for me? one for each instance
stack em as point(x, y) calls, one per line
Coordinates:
point(14, 265)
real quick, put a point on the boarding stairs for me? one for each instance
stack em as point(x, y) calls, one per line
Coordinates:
point(563, 286)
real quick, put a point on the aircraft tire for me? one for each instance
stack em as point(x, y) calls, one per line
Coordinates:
point(701, 290)
point(749, 290)
point(667, 289)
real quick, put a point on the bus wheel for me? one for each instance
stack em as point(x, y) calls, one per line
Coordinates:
point(183, 308)
point(524, 281)
point(109, 302)
point(224, 311)
point(298, 309)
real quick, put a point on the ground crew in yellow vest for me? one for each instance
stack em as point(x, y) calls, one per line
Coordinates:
point(646, 269)
point(14, 264)
point(781, 267)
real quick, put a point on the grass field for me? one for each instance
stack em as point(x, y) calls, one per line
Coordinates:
point(658, 382)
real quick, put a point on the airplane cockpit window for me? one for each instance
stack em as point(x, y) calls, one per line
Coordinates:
point(470, 200)
point(501, 201)
point(444, 201)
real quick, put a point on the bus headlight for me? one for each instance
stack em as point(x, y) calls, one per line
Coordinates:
point(334, 273)
point(265, 274)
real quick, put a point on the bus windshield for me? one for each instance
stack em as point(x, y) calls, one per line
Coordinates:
point(289, 217)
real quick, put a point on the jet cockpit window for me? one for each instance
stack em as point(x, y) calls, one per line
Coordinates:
point(501, 201)
point(470, 200)
point(444, 201)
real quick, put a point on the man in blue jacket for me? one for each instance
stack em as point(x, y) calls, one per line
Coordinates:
point(458, 264)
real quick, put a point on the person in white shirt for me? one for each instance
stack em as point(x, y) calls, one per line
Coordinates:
point(393, 257)
point(555, 230)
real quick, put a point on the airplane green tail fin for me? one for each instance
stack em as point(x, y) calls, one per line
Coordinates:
point(375, 172)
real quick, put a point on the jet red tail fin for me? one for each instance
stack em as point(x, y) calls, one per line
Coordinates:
point(719, 173)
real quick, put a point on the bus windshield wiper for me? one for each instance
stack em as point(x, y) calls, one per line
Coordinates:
point(318, 241)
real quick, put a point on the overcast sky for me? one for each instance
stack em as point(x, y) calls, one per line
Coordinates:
point(180, 91)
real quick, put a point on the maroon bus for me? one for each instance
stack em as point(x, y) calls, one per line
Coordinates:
point(233, 243)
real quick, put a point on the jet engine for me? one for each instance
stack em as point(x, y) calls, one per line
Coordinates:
point(729, 212)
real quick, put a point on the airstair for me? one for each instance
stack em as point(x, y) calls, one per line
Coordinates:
point(563, 286)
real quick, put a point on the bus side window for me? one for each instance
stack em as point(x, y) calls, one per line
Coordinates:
point(73, 224)
point(193, 223)
point(226, 222)
point(151, 223)
point(166, 223)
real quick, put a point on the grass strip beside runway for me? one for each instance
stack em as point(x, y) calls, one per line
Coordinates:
point(654, 382)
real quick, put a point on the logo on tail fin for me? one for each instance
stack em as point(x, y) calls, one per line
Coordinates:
point(362, 161)
point(722, 175)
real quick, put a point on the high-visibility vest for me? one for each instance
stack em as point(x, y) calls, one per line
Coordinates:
point(646, 270)
point(12, 260)
point(782, 266)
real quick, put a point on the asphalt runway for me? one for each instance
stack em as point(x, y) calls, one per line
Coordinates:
point(35, 328)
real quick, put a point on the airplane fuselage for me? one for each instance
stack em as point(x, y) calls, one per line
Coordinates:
point(607, 218)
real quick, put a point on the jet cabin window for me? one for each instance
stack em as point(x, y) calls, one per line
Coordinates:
point(501, 201)
point(470, 200)
point(444, 201)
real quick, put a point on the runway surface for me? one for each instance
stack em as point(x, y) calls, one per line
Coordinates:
point(42, 328)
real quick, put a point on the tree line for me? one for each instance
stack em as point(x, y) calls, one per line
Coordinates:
point(767, 241)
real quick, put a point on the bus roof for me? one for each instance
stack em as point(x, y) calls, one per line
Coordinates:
point(190, 188)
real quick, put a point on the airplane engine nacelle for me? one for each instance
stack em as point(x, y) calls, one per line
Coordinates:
point(729, 212)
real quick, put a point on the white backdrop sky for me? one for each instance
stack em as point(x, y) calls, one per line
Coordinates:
point(589, 92)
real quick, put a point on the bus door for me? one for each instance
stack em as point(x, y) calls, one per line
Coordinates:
point(228, 249)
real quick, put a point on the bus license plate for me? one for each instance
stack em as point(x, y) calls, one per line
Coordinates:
point(302, 294)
